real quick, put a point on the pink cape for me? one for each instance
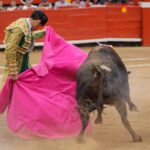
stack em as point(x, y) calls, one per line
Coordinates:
point(43, 99)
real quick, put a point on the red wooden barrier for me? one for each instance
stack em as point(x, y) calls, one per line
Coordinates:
point(86, 24)
point(146, 23)
point(124, 21)
point(72, 24)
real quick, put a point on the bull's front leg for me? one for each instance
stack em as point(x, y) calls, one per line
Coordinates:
point(122, 109)
point(84, 115)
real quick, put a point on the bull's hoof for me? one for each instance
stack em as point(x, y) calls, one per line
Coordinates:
point(98, 121)
point(137, 139)
point(133, 108)
point(80, 139)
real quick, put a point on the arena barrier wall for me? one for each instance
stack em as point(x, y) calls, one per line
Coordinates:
point(146, 23)
point(105, 23)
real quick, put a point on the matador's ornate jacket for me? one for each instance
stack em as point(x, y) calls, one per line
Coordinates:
point(19, 40)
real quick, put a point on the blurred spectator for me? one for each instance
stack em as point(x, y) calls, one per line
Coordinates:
point(104, 1)
point(84, 3)
point(28, 5)
point(13, 5)
point(61, 3)
point(78, 3)
point(87, 3)
point(69, 1)
point(122, 1)
point(45, 4)
point(113, 1)
point(119, 1)
point(1, 5)
point(95, 2)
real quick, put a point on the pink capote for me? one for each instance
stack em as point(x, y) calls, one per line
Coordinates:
point(43, 99)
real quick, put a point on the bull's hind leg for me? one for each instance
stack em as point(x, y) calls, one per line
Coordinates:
point(122, 109)
point(132, 106)
point(99, 116)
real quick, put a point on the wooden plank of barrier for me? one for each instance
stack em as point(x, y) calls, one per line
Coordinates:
point(7, 17)
point(124, 21)
point(72, 24)
point(86, 23)
point(145, 23)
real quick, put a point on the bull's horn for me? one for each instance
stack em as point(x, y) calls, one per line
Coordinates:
point(105, 68)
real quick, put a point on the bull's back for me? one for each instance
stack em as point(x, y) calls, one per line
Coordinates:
point(116, 81)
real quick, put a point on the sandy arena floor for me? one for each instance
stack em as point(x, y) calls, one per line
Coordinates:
point(110, 135)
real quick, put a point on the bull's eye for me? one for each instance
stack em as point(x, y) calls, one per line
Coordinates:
point(95, 74)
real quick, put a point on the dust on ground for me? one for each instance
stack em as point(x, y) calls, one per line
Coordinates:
point(111, 134)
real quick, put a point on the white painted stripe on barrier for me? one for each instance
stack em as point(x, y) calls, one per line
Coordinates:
point(1, 67)
point(2, 46)
point(144, 4)
point(105, 40)
point(124, 39)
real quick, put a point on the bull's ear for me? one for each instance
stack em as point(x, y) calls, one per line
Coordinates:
point(128, 72)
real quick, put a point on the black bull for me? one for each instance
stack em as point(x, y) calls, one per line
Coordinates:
point(103, 79)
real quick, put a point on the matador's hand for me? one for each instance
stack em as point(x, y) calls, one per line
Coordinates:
point(14, 77)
